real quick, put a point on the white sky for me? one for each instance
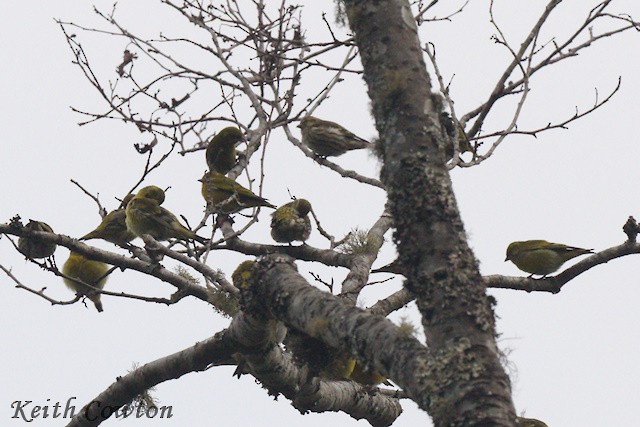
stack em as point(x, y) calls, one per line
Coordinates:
point(575, 353)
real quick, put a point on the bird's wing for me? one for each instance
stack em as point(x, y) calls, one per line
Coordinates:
point(559, 247)
point(244, 192)
point(323, 132)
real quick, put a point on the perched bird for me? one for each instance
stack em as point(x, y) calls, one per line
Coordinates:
point(34, 248)
point(530, 422)
point(146, 216)
point(221, 151)
point(231, 197)
point(242, 273)
point(320, 359)
point(291, 222)
point(149, 192)
point(240, 278)
point(367, 377)
point(328, 138)
point(113, 227)
point(340, 367)
point(541, 257)
point(89, 272)
point(453, 132)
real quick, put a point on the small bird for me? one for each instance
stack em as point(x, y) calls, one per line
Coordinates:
point(340, 367)
point(149, 192)
point(87, 271)
point(322, 360)
point(291, 222)
point(146, 216)
point(453, 132)
point(367, 377)
point(34, 248)
point(240, 277)
point(327, 138)
point(113, 227)
point(541, 257)
point(242, 273)
point(530, 422)
point(227, 196)
point(221, 150)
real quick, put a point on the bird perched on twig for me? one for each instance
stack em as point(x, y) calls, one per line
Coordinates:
point(221, 150)
point(291, 222)
point(227, 196)
point(145, 216)
point(34, 248)
point(88, 272)
point(113, 228)
point(362, 375)
point(149, 192)
point(327, 138)
point(541, 257)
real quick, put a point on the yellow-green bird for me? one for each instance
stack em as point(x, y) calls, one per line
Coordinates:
point(113, 227)
point(149, 192)
point(87, 271)
point(146, 216)
point(240, 278)
point(327, 138)
point(542, 257)
point(34, 248)
point(530, 422)
point(321, 360)
point(291, 222)
point(227, 196)
point(339, 368)
point(367, 377)
point(221, 150)
point(242, 273)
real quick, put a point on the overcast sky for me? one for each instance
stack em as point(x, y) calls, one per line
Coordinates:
point(573, 355)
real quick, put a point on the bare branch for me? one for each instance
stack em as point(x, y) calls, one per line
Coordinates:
point(554, 284)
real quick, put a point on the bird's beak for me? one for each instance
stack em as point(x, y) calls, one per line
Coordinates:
point(299, 125)
point(506, 259)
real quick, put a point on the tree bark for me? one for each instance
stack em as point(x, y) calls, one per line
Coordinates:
point(467, 384)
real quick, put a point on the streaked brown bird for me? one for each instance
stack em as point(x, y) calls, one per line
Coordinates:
point(327, 138)
point(34, 248)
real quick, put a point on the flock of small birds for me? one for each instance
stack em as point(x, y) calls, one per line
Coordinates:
point(142, 213)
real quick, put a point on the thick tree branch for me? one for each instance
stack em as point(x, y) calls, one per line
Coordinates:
point(456, 312)
point(282, 293)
